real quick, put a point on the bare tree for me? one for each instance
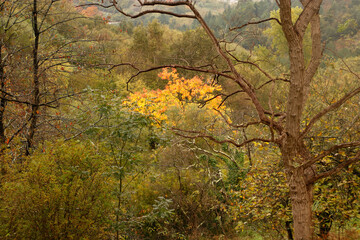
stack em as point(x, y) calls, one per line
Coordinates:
point(27, 88)
point(11, 23)
point(285, 129)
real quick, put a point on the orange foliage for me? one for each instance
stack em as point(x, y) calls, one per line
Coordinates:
point(178, 93)
point(90, 11)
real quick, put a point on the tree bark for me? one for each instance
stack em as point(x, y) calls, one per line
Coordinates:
point(301, 201)
point(294, 151)
point(36, 83)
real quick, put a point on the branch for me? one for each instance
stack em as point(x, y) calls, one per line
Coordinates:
point(229, 95)
point(272, 80)
point(81, 132)
point(345, 63)
point(124, 64)
point(46, 13)
point(215, 153)
point(237, 126)
point(19, 129)
point(239, 79)
point(329, 151)
point(46, 104)
point(311, 7)
point(330, 108)
point(206, 136)
point(251, 23)
point(316, 49)
point(153, 3)
point(336, 169)
point(61, 22)
point(259, 68)
point(202, 69)
point(51, 55)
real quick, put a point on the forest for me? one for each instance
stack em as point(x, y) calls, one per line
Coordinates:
point(180, 119)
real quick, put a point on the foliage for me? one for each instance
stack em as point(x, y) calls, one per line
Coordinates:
point(277, 37)
point(60, 192)
point(179, 94)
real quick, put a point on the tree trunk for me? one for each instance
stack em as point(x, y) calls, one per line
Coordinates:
point(36, 86)
point(301, 201)
point(2, 100)
point(289, 230)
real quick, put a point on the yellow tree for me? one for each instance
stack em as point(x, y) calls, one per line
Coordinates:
point(179, 94)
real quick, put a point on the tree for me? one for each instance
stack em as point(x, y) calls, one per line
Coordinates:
point(287, 128)
point(35, 52)
point(12, 23)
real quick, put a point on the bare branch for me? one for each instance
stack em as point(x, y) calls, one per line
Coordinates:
point(215, 152)
point(153, 3)
point(253, 64)
point(330, 108)
point(94, 4)
point(261, 70)
point(124, 64)
point(46, 104)
point(19, 129)
point(197, 134)
point(61, 22)
point(257, 22)
point(348, 68)
point(228, 96)
point(203, 69)
point(84, 130)
point(316, 51)
point(236, 126)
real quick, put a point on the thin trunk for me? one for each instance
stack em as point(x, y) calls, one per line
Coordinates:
point(36, 82)
point(119, 201)
point(325, 223)
point(289, 230)
point(2, 100)
point(2, 120)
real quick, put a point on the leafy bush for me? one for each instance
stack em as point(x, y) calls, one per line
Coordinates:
point(60, 193)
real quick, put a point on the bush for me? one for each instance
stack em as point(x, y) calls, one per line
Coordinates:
point(60, 193)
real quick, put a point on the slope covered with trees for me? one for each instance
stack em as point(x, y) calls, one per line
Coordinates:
point(179, 120)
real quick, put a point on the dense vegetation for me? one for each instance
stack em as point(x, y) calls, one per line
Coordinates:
point(103, 138)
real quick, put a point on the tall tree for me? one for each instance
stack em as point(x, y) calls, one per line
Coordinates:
point(35, 44)
point(287, 129)
point(12, 22)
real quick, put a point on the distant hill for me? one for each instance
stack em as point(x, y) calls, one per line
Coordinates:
point(339, 29)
